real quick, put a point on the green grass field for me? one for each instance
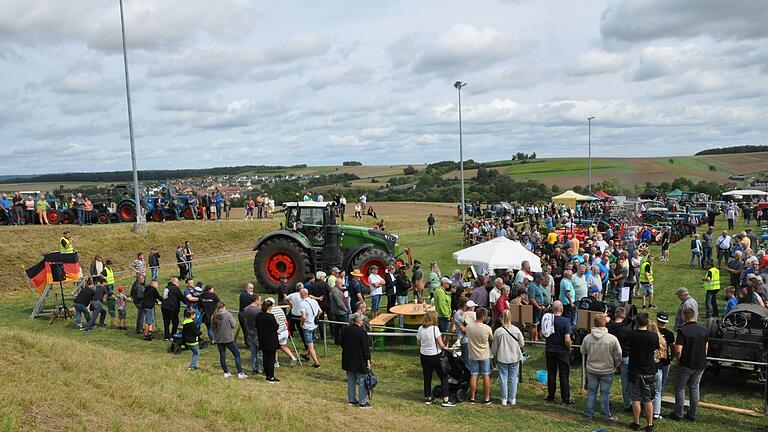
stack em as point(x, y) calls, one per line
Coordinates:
point(565, 167)
point(57, 378)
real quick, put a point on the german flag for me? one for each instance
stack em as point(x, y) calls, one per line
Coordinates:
point(40, 274)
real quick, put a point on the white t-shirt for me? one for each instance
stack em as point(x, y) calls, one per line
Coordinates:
point(310, 307)
point(295, 300)
point(426, 337)
point(375, 279)
point(602, 245)
point(494, 295)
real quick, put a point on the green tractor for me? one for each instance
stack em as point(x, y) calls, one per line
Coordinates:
point(311, 241)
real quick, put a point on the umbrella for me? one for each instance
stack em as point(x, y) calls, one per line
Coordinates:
point(499, 253)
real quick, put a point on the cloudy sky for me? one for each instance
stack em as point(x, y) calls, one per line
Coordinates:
point(234, 82)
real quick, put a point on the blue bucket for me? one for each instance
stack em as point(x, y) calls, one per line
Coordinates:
point(541, 376)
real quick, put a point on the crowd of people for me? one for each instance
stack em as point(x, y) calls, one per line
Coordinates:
point(588, 274)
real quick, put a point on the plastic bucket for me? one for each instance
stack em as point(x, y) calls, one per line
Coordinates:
point(541, 376)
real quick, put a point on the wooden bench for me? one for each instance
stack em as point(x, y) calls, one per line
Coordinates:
point(382, 319)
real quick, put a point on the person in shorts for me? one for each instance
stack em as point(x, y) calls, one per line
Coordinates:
point(121, 301)
point(310, 310)
point(151, 298)
point(480, 337)
point(642, 345)
point(282, 333)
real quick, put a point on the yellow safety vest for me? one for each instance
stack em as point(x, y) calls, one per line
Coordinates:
point(714, 283)
point(66, 246)
point(110, 276)
point(643, 270)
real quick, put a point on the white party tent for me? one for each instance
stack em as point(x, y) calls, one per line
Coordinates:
point(499, 253)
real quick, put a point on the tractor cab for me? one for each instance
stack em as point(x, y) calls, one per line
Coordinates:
point(309, 218)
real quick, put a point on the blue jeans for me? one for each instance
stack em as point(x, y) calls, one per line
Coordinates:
point(80, 217)
point(465, 354)
point(81, 309)
point(98, 309)
point(195, 355)
point(624, 369)
point(509, 374)
point(154, 271)
point(139, 318)
point(661, 379)
point(257, 362)
point(356, 378)
point(223, 356)
point(690, 379)
point(696, 256)
point(595, 381)
point(189, 269)
point(375, 301)
point(401, 300)
point(711, 303)
point(442, 324)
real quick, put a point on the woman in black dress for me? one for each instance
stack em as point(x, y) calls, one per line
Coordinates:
point(266, 326)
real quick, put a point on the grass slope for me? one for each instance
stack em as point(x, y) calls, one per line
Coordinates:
point(126, 384)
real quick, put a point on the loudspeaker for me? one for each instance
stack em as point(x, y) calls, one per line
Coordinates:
point(57, 272)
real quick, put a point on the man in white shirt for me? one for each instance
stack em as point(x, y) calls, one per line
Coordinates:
point(723, 244)
point(376, 283)
point(294, 299)
point(601, 244)
point(310, 309)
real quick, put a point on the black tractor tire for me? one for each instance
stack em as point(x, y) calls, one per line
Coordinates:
point(126, 211)
point(369, 257)
point(114, 218)
point(102, 218)
point(4, 219)
point(278, 256)
point(68, 217)
point(156, 216)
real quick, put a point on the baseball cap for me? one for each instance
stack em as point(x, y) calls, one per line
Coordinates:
point(594, 289)
point(271, 299)
point(445, 280)
point(662, 317)
point(471, 304)
point(284, 277)
point(681, 291)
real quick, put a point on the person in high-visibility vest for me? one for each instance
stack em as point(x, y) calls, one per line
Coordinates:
point(109, 275)
point(712, 287)
point(65, 243)
point(646, 281)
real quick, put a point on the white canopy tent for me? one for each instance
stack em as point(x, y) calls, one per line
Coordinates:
point(745, 192)
point(500, 253)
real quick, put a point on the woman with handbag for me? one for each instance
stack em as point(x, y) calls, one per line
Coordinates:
point(507, 350)
point(431, 347)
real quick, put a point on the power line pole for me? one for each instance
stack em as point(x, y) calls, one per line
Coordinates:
point(589, 134)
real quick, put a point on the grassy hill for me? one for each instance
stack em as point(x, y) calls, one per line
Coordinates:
point(131, 384)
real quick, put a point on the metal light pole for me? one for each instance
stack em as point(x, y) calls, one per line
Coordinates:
point(589, 134)
point(459, 85)
point(137, 227)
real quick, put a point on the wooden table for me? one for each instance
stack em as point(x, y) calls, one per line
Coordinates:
point(412, 313)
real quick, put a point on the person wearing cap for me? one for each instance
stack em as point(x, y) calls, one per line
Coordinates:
point(338, 309)
point(664, 358)
point(459, 326)
point(723, 246)
point(376, 283)
point(282, 289)
point(417, 280)
point(536, 298)
point(686, 302)
point(443, 304)
point(97, 304)
point(604, 354)
point(691, 354)
point(331, 280)
point(320, 291)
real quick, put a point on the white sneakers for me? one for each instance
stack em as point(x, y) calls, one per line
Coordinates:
point(242, 376)
point(227, 374)
point(513, 401)
point(504, 402)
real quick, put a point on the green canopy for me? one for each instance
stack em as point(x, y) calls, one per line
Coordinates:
point(677, 193)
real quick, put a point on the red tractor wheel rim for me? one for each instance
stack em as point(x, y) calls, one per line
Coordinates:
point(127, 212)
point(102, 218)
point(53, 217)
point(187, 213)
point(279, 264)
point(157, 217)
point(366, 268)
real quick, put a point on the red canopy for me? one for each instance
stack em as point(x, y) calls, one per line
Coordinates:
point(603, 195)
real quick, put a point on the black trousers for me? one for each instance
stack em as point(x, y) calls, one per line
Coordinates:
point(557, 363)
point(182, 271)
point(170, 322)
point(269, 363)
point(431, 364)
point(391, 301)
point(294, 324)
point(243, 329)
point(336, 328)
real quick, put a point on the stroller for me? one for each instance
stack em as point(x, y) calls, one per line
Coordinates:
point(178, 345)
point(458, 378)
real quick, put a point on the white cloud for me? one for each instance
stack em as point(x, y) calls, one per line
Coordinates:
point(599, 62)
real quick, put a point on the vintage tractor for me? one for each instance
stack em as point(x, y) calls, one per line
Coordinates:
point(740, 340)
point(311, 241)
